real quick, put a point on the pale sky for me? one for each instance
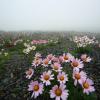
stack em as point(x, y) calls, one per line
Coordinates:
point(51, 15)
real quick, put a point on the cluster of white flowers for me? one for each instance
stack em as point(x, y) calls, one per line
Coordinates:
point(53, 41)
point(6, 53)
point(83, 41)
point(2, 52)
point(28, 48)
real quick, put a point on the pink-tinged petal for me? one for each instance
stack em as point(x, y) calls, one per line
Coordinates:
point(36, 94)
point(76, 69)
point(85, 58)
point(55, 59)
point(90, 81)
point(49, 72)
point(57, 98)
point(35, 82)
point(80, 81)
point(83, 74)
point(86, 91)
point(75, 82)
point(92, 89)
point(61, 58)
point(30, 89)
point(32, 95)
point(29, 73)
point(64, 95)
point(62, 86)
point(88, 59)
point(50, 56)
point(55, 87)
point(48, 83)
point(52, 95)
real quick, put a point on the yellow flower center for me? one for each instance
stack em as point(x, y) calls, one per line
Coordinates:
point(36, 88)
point(65, 57)
point(46, 77)
point(77, 76)
point(37, 62)
point(58, 92)
point(37, 58)
point(61, 78)
point(74, 64)
point(56, 67)
point(46, 62)
point(85, 85)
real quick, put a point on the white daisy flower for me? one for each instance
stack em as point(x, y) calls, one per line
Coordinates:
point(85, 58)
point(88, 86)
point(79, 77)
point(36, 62)
point(56, 67)
point(46, 62)
point(62, 77)
point(67, 57)
point(59, 92)
point(47, 77)
point(29, 73)
point(36, 87)
point(77, 64)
